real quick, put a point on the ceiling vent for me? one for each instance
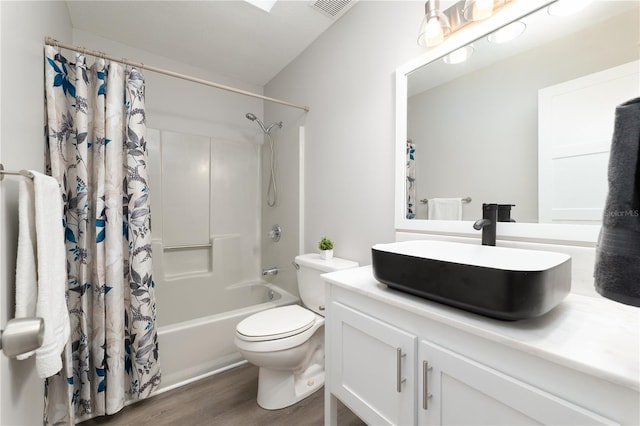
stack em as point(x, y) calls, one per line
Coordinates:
point(332, 8)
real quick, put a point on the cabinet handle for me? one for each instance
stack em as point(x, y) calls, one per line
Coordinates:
point(425, 385)
point(399, 379)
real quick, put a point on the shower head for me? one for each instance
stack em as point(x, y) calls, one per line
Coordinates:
point(272, 191)
point(279, 124)
point(265, 129)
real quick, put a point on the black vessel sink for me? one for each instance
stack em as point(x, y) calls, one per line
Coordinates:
point(498, 282)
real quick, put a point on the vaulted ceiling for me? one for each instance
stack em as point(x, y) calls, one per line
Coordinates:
point(230, 37)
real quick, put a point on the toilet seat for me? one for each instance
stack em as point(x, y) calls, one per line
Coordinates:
point(276, 323)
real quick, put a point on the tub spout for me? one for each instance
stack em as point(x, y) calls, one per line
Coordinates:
point(270, 271)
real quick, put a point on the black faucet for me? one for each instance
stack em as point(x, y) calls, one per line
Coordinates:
point(504, 212)
point(488, 224)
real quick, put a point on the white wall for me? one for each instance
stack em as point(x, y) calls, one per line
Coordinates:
point(346, 77)
point(24, 26)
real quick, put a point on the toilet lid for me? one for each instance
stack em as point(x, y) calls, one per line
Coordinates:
point(276, 323)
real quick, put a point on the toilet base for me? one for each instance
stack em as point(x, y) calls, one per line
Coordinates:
point(279, 389)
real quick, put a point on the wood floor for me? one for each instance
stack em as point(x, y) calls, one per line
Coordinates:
point(228, 398)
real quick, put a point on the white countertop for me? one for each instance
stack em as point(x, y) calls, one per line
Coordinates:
point(589, 334)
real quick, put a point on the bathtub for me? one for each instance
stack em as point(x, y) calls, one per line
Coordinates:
point(196, 348)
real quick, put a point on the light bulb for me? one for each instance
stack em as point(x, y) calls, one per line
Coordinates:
point(433, 33)
point(482, 9)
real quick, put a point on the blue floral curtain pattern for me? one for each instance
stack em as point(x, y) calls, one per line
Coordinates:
point(411, 178)
point(141, 342)
point(96, 150)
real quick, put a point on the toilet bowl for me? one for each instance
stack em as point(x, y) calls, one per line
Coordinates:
point(287, 343)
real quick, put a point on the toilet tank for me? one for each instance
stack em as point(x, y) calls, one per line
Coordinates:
point(310, 284)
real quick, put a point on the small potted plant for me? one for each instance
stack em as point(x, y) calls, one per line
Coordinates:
point(326, 248)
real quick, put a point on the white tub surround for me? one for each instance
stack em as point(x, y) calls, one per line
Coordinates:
point(578, 364)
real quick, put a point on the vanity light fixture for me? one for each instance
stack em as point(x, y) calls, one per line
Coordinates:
point(478, 10)
point(437, 24)
point(507, 33)
point(459, 56)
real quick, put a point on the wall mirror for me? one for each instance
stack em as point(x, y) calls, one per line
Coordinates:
point(527, 122)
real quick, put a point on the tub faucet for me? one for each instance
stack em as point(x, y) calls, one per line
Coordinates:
point(270, 271)
point(488, 224)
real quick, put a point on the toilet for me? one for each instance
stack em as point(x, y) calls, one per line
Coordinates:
point(287, 343)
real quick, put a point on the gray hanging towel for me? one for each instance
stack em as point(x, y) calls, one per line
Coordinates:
point(617, 268)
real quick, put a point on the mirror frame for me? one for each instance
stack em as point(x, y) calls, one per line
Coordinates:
point(581, 235)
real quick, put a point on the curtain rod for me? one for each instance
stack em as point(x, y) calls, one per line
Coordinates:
point(53, 42)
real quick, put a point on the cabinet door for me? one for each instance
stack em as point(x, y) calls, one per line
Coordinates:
point(461, 391)
point(372, 366)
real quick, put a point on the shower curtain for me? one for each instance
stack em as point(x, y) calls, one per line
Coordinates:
point(411, 178)
point(96, 149)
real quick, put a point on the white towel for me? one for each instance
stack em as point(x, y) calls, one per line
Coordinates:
point(41, 275)
point(445, 208)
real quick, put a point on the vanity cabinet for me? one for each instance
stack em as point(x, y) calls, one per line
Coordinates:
point(374, 366)
point(458, 390)
point(396, 359)
point(384, 375)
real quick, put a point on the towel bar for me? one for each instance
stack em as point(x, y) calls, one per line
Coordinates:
point(464, 200)
point(186, 247)
point(25, 173)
